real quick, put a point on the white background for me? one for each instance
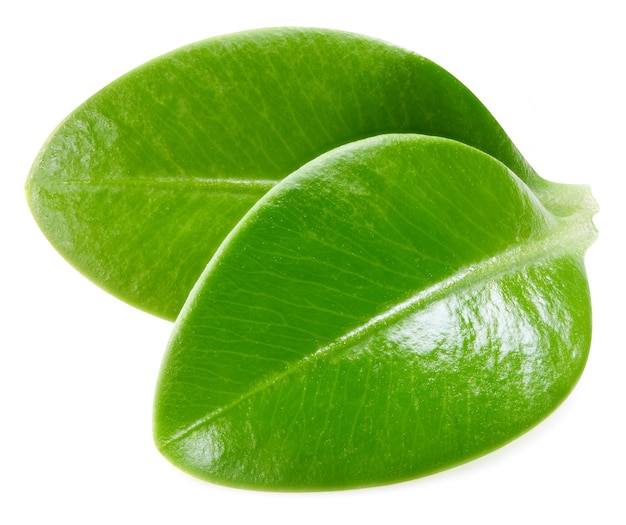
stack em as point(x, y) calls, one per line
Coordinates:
point(78, 368)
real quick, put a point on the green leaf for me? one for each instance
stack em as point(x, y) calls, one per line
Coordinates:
point(395, 307)
point(138, 187)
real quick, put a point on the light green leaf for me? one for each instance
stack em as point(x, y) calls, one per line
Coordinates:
point(139, 186)
point(395, 307)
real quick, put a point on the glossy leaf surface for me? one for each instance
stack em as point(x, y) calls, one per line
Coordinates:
point(139, 186)
point(397, 306)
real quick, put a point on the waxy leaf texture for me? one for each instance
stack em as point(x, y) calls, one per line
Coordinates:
point(369, 281)
point(395, 307)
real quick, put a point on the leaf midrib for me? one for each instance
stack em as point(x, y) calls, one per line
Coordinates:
point(198, 182)
point(570, 235)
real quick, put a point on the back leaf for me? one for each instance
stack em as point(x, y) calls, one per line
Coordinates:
point(139, 186)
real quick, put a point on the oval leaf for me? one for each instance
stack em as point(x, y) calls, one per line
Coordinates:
point(395, 307)
point(139, 186)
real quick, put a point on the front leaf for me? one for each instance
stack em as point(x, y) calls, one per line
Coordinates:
point(139, 186)
point(395, 307)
